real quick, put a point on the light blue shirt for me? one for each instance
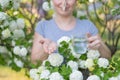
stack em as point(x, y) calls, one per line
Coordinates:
point(50, 30)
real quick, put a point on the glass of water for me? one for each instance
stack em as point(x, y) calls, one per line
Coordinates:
point(79, 45)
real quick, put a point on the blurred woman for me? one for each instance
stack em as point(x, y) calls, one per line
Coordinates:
point(64, 24)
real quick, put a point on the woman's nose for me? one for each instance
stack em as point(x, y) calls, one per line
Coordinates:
point(64, 3)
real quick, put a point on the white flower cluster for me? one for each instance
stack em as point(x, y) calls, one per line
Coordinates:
point(102, 62)
point(93, 77)
point(47, 6)
point(93, 54)
point(6, 3)
point(20, 51)
point(55, 59)
point(3, 49)
point(3, 16)
point(73, 65)
point(6, 33)
point(114, 78)
point(81, 64)
point(64, 38)
point(45, 74)
point(89, 63)
point(15, 28)
point(55, 76)
point(34, 74)
point(19, 63)
point(76, 75)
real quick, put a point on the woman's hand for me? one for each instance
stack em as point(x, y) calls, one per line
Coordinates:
point(48, 45)
point(94, 42)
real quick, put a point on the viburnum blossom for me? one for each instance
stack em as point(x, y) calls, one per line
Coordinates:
point(45, 6)
point(45, 74)
point(19, 63)
point(55, 76)
point(113, 78)
point(55, 59)
point(13, 25)
point(81, 64)
point(89, 63)
point(102, 62)
point(16, 50)
point(18, 33)
point(64, 38)
point(2, 16)
point(76, 75)
point(4, 3)
point(93, 54)
point(73, 65)
point(20, 23)
point(3, 49)
point(93, 77)
point(6, 33)
point(33, 74)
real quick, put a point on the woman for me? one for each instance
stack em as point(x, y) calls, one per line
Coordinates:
point(64, 24)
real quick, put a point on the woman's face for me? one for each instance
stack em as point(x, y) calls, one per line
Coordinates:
point(64, 7)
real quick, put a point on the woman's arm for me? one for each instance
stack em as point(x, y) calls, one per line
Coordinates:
point(37, 49)
point(41, 48)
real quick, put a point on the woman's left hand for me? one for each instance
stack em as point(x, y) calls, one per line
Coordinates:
point(94, 42)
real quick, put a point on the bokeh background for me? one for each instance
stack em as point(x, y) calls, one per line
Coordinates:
point(18, 18)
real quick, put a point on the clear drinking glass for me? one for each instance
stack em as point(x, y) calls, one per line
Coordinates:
point(79, 45)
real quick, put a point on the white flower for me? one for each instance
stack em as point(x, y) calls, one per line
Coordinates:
point(34, 74)
point(102, 62)
point(1, 26)
point(23, 51)
point(76, 75)
point(93, 77)
point(13, 25)
point(4, 3)
point(16, 50)
point(6, 23)
point(20, 23)
point(41, 68)
point(91, 1)
point(80, 13)
point(73, 65)
point(102, 74)
point(64, 38)
point(16, 4)
point(13, 43)
point(19, 63)
point(81, 64)
point(19, 34)
point(55, 76)
point(89, 63)
point(45, 6)
point(93, 54)
point(6, 33)
point(2, 16)
point(44, 74)
point(118, 77)
point(3, 49)
point(55, 59)
point(113, 78)
point(51, 3)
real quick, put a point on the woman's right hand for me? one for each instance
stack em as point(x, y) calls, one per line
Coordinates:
point(48, 45)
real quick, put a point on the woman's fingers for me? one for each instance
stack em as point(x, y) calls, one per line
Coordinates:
point(52, 47)
point(94, 42)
